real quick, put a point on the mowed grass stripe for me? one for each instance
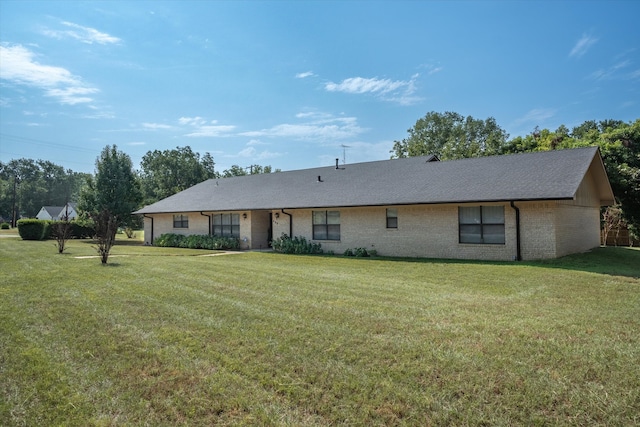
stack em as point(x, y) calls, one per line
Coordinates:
point(170, 338)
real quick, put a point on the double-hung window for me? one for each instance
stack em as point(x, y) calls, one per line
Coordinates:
point(326, 225)
point(180, 221)
point(226, 225)
point(392, 218)
point(481, 224)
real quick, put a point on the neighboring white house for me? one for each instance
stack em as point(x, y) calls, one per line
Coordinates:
point(58, 212)
point(522, 206)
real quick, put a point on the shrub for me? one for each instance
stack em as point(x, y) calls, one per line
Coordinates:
point(357, 252)
point(5, 226)
point(82, 229)
point(197, 241)
point(34, 229)
point(297, 245)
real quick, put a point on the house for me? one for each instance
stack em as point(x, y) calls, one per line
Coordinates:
point(58, 212)
point(523, 206)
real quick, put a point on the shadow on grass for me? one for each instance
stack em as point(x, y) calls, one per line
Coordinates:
point(614, 261)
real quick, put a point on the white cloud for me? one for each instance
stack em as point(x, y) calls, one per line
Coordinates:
point(253, 155)
point(211, 131)
point(610, 72)
point(313, 115)
point(195, 121)
point(582, 46)
point(324, 129)
point(204, 128)
point(156, 126)
point(400, 91)
point(537, 115)
point(247, 152)
point(20, 67)
point(136, 143)
point(84, 34)
point(72, 95)
point(305, 75)
point(361, 85)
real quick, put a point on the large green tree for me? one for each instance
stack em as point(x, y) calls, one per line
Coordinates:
point(450, 135)
point(619, 144)
point(114, 188)
point(164, 173)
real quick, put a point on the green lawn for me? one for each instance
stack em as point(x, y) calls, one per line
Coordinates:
point(165, 337)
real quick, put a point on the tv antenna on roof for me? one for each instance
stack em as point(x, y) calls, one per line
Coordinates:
point(344, 153)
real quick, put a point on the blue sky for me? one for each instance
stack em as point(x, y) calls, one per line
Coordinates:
point(297, 84)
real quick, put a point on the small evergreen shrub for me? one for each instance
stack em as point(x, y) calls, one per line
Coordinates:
point(33, 229)
point(5, 226)
point(296, 245)
point(197, 241)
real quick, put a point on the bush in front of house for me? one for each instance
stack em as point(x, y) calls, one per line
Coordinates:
point(296, 245)
point(197, 241)
point(357, 252)
point(34, 229)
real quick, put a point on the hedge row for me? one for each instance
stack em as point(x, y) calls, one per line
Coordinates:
point(40, 229)
point(197, 241)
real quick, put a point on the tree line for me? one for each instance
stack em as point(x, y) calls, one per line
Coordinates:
point(450, 136)
point(27, 185)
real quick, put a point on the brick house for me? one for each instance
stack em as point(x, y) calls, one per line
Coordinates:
point(524, 206)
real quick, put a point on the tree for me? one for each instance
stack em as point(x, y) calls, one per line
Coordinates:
point(26, 185)
point(620, 148)
point(236, 170)
point(164, 173)
point(611, 221)
point(619, 144)
point(23, 176)
point(451, 136)
point(61, 231)
point(111, 196)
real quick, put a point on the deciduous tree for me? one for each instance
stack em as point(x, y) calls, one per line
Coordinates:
point(111, 196)
point(164, 173)
point(451, 136)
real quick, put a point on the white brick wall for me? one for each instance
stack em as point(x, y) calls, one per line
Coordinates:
point(548, 230)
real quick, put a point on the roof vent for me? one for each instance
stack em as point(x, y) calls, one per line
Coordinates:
point(337, 167)
point(320, 179)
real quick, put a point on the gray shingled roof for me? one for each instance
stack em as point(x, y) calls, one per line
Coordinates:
point(53, 211)
point(550, 175)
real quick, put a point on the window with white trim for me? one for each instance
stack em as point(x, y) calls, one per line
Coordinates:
point(326, 225)
point(180, 221)
point(481, 224)
point(226, 225)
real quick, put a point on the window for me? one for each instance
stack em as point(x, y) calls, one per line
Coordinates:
point(481, 224)
point(392, 218)
point(326, 225)
point(180, 221)
point(226, 225)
